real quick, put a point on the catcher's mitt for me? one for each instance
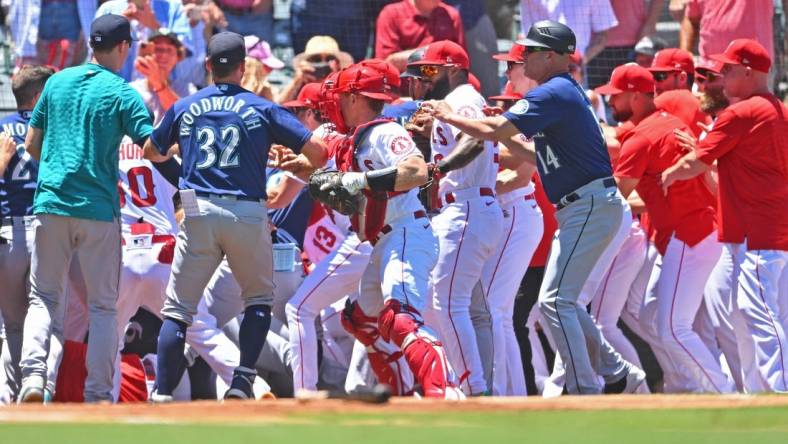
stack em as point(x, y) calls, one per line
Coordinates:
point(325, 185)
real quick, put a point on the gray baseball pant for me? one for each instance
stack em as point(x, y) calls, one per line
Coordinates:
point(96, 245)
point(590, 232)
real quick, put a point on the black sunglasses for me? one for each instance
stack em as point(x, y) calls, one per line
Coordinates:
point(708, 77)
point(510, 65)
point(661, 75)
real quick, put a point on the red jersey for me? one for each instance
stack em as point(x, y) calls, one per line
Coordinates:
point(400, 27)
point(539, 258)
point(688, 209)
point(684, 105)
point(750, 143)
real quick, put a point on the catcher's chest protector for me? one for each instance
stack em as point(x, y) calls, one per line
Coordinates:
point(370, 219)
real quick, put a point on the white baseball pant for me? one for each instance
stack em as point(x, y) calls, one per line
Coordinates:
point(501, 277)
point(334, 277)
point(678, 281)
point(761, 295)
point(468, 233)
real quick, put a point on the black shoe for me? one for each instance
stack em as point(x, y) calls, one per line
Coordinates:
point(242, 385)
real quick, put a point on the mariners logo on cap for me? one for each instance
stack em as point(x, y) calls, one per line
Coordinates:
point(222, 59)
point(521, 107)
point(97, 38)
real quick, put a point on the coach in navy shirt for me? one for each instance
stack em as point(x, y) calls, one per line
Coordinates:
point(224, 134)
point(571, 156)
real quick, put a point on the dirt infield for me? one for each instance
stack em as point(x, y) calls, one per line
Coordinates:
point(289, 411)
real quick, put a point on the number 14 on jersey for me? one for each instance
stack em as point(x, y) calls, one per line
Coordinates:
point(549, 161)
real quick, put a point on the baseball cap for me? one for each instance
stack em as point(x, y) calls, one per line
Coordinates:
point(745, 52)
point(413, 70)
point(551, 35)
point(673, 59)
point(629, 77)
point(443, 53)
point(226, 48)
point(260, 49)
point(308, 97)
point(475, 82)
point(373, 78)
point(516, 54)
point(507, 94)
point(110, 29)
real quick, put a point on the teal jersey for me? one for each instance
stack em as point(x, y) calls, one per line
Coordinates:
point(84, 113)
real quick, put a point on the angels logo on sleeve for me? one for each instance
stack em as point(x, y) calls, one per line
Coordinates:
point(401, 145)
point(469, 111)
point(521, 107)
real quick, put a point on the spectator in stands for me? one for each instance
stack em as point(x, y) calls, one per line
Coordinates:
point(482, 42)
point(321, 57)
point(636, 20)
point(647, 48)
point(51, 32)
point(260, 62)
point(348, 21)
point(715, 23)
point(249, 17)
point(589, 19)
point(147, 17)
point(409, 24)
point(204, 17)
point(156, 59)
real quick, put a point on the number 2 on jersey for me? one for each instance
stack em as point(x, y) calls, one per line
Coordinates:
point(23, 168)
point(226, 146)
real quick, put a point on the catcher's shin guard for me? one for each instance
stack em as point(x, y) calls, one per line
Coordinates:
point(420, 346)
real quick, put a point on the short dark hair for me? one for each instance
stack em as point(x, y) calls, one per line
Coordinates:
point(690, 80)
point(221, 70)
point(376, 105)
point(29, 82)
point(105, 47)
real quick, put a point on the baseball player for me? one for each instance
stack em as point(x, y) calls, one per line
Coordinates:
point(593, 218)
point(748, 142)
point(18, 174)
point(683, 220)
point(470, 221)
point(382, 169)
point(76, 137)
point(224, 134)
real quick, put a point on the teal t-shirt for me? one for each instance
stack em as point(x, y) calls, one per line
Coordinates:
point(84, 113)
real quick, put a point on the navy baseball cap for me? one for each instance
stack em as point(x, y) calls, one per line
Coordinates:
point(110, 29)
point(226, 48)
point(551, 35)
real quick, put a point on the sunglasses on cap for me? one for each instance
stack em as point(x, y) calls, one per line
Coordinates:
point(661, 76)
point(321, 58)
point(428, 71)
point(510, 65)
point(530, 49)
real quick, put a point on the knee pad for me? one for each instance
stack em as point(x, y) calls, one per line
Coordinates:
point(396, 321)
point(388, 370)
point(362, 327)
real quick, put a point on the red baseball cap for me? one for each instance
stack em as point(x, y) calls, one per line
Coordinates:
point(630, 77)
point(507, 94)
point(516, 54)
point(373, 78)
point(745, 52)
point(673, 59)
point(475, 82)
point(443, 53)
point(308, 97)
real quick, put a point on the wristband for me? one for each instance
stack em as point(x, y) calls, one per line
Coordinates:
point(294, 177)
point(382, 180)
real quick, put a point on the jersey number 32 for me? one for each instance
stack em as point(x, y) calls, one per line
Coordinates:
point(224, 147)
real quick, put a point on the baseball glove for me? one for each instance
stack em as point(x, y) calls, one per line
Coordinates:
point(325, 185)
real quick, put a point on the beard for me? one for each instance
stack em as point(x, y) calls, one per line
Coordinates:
point(621, 115)
point(439, 89)
point(713, 101)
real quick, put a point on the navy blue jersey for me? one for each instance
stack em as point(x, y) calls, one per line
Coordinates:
point(401, 112)
point(224, 133)
point(292, 220)
point(570, 148)
point(18, 184)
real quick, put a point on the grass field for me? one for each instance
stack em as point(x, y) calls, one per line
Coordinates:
point(448, 423)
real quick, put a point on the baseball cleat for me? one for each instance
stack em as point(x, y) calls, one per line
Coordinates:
point(32, 391)
point(630, 383)
point(242, 386)
point(156, 398)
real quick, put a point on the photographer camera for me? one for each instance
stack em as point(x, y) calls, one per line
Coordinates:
point(320, 58)
point(157, 58)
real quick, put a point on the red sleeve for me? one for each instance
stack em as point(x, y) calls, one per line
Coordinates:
point(634, 157)
point(694, 9)
point(459, 29)
point(726, 134)
point(386, 35)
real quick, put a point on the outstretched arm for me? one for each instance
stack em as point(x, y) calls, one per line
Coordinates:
point(686, 168)
point(496, 128)
point(466, 150)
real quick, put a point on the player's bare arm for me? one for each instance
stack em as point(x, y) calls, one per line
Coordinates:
point(521, 148)
point(510, 180)
point(467, 149)
point(152, 153)
point(626, 185)
point(284, 192)
point(409, 173)
point(313, 156)
point(34, 141)
point(636, 203)
point(496, 128)
point(7, 150)
point(686, 168)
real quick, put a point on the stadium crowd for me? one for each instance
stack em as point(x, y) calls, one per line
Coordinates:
point(694, 290)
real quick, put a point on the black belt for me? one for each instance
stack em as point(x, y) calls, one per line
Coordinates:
point(573, 196)
point(228, 196)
